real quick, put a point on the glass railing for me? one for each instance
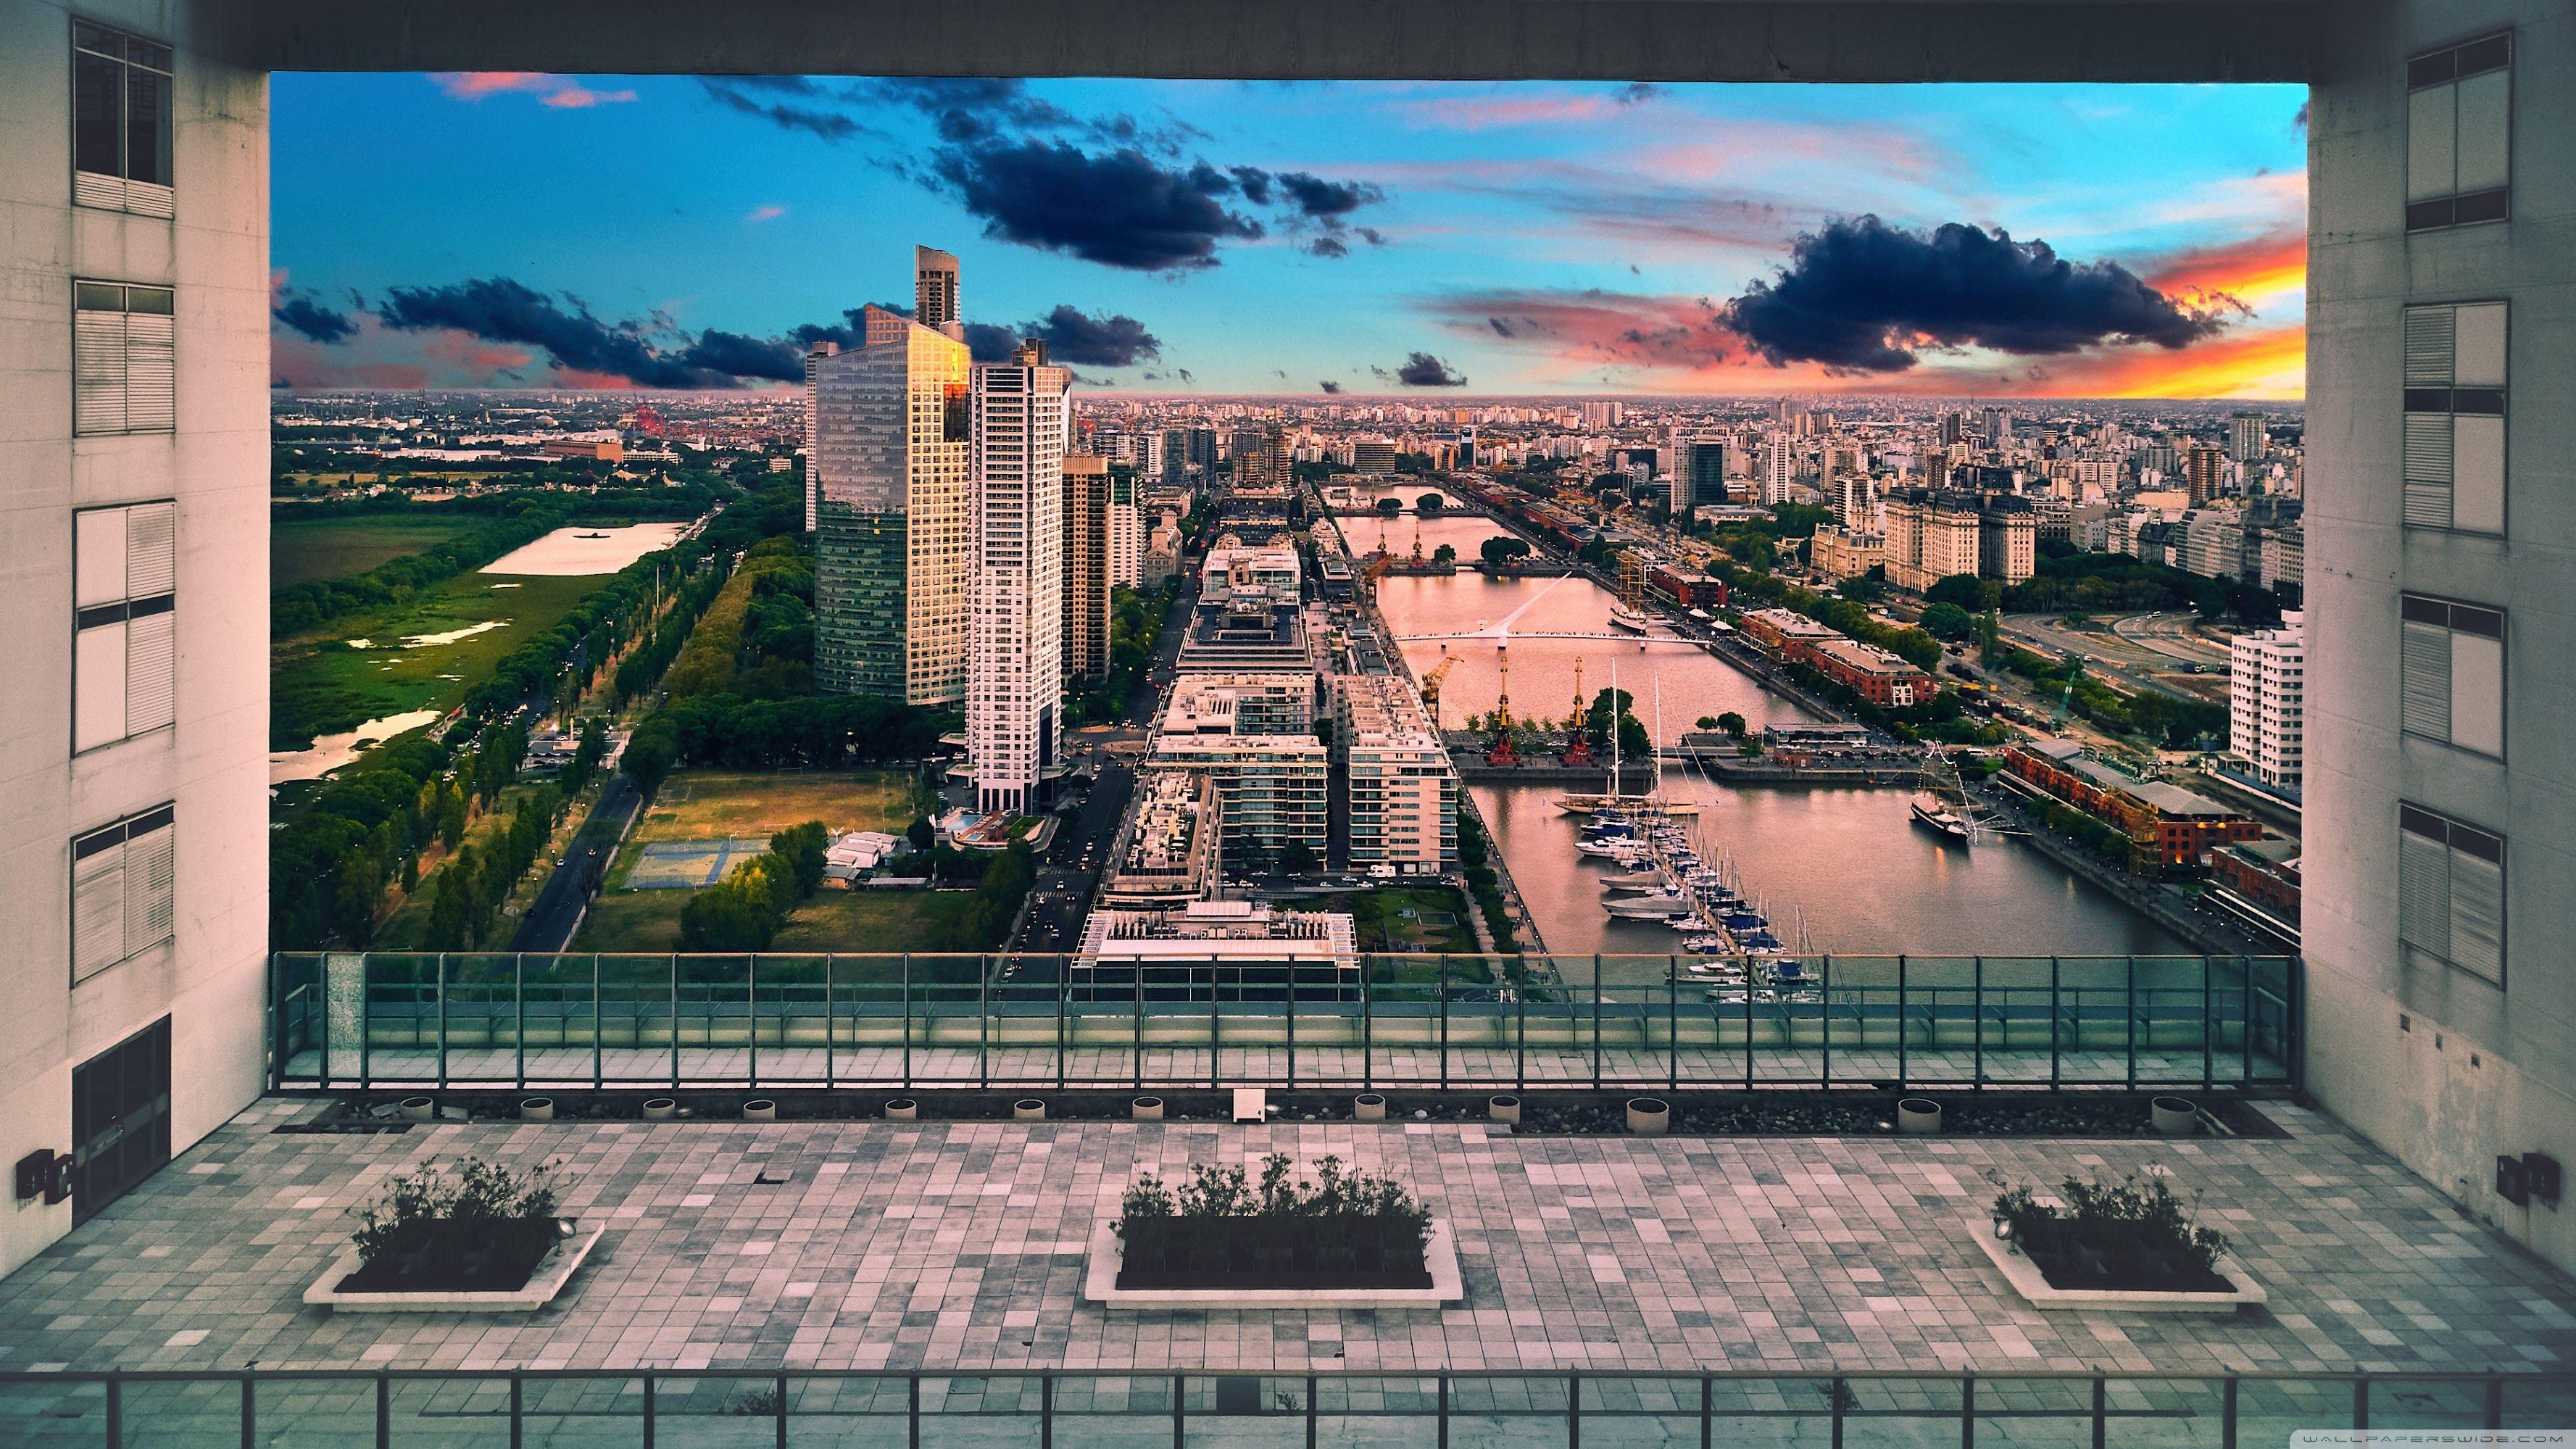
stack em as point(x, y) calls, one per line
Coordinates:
point(463, 1019)
point(1500, 1409)
point(354, 1019)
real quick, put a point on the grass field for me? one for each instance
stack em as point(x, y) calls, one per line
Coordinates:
point(834, 920)
point(302, 550)
point(1438, 924)
point(319, 685)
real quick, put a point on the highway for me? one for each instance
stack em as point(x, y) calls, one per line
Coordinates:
point(551, 922)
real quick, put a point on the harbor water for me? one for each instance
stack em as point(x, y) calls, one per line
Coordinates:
point(1842, 870)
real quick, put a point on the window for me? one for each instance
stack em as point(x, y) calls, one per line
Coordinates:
point(2452, 663)
point(121, 891)
point(120, 121)
point(125, 636)
point(2459, 128)
point(2455, 372)
point(122, 359)
point(2450, 893)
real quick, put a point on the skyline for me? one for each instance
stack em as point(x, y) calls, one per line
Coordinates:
point(1214, 239)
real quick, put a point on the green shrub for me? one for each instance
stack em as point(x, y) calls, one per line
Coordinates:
point(481, 1207)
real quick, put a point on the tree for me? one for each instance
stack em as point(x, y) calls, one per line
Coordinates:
point(1502, 549)
point(1390, 505)
point(1705, 722)
point(1298, 858)
point(921, 833)
point(1948, 621)
point(802, 848)
point(1430, 503)
point(1445, 553)
point(1732, 723)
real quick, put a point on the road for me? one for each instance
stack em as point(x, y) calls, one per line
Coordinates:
point(2142, 649)
point(551, 922)
point(1060, 898)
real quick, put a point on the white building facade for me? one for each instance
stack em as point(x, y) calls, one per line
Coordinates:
point(1015, 655)
point(2267, 692)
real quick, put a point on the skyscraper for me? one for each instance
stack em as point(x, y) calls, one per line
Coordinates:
point(813, 448)
point(1126, 532)
point(1015, 665)
point(934, 293)
point(2247, 437)
point(1779, 468)
point(892, 558)
point(1087, 568)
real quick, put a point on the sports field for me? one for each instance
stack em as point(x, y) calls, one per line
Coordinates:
point(714, 804)
point(302, 550)
point(861, 921)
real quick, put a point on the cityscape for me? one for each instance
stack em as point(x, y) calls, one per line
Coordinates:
point(1690, 868)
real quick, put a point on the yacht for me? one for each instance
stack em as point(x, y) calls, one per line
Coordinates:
point(1660, 906)
point(1610, 849)
point(1932, 813)
point(1634, 883)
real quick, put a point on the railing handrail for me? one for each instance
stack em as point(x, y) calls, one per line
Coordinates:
point(1721, 1375)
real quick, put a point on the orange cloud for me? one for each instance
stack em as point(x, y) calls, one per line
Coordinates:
point(2251, 271)
point(592, 381)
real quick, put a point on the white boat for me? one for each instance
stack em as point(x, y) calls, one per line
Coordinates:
point(1595, 804)
point(1930, 812)
point(1633, 620)
point(1609, 849)
point(1642, 883)
point(1661, 906)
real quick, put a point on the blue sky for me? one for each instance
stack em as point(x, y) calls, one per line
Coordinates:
point(1529, 237)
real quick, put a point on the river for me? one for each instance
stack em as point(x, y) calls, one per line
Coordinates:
point(1848, 867)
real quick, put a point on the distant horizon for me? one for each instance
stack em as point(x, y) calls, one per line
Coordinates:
point(1825, 401)
point(1401, 239)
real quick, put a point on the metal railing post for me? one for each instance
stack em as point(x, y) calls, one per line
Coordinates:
point(1574, 1380)
point(2245, 1018)
point(907, 1021)
point(1180, 1393)
point(2227, 1415)
point(2495, 1401)
point(1707, 1409)
point(1968, 1409)
point(1977, 1027)
point(366, 1027)
point(2208, 1028)
point(831, 1023)
point(1825, 1025)
point(1063, 1013)
point(519, 1016)
point(1748, 1024)
point(2361, 1402)
point(115, 1411)
point(1368, 1031)
point(1838, 1396)
point(441, 996)
point(1046, 1411)
point(598, 1027)
point(1216, 1030)
point(1292, 1026)
point(648, 1411)
point(1444, 1022)
point(1520, 1032)
point(983, 1020)
point(675, 1021)
point(1904, 1031)
point(518, 1424)
point(249, 1412)
point(1596, 1022)
point(384, 1414)
point(2056, 1054)
point(2101, 1413)
point(782, 1411)
point(2132, 1014)
point(912, 1411)
point(1138, 1044)
point(1673, 1023)
point(1311, 1416)
point(1443, 1412)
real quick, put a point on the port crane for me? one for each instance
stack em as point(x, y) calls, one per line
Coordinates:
point(2067, 696)
point(1431, 683)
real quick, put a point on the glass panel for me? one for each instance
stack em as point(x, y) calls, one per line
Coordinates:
point(97, 84)
point(716, 1411)
point(444, 1413)
point(858, 1413)
point(54, 1415)
point(1900, 1413)
point(326, 1414)
point(203, 1411)
point(1114, 1413)
point(575, 1413)
point(147, 127)
point(561, 1018)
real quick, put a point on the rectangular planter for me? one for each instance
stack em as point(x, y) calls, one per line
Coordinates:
point(2033, 1286)
point(553, 1272)
point(1100, 1283)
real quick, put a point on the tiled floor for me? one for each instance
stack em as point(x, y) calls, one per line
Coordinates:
point(959, 1246)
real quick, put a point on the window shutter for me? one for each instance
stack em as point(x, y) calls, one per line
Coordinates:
point(2477, 692)
point(149, 881)
point(2431, 142)
point(151, 387)
point(2477, 906)
point(151, 549)
point(2428, 467)
point(99, 675)
point(151, 669)
point(2425, 692)
point(2477, 474)
point(98, 371)
point(2478, 345)
point(98, 553)
point(2429, 332)
point(98, 905)
point(2480, 154)
point(2424, 892)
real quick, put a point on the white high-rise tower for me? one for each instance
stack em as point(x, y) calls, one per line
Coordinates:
point(1015, 655)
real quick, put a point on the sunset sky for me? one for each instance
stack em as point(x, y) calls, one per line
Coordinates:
point(1421, 239)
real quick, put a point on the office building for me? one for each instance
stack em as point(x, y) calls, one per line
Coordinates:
point(1086, 566)
point(1254, 736)
point(1779, 465)
point(2247, 439)
point(1839, 553)
point(1374, 456)
point(2007, 538)
point(935, 302)
point(1233, 944)
point(1249, 616)
point(1166, 852)
point(2267, 693)
point(1401, 794)
point(892, 555)
point(1015, 667)
point(813, 443)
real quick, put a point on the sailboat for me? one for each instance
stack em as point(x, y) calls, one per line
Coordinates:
point(1653, 799)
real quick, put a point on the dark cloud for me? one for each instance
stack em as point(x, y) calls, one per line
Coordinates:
point(988, 343)
point(498, 309)
point(777, 359)
point(1094, 340)
point(1636, 93)
point(1865, 296)
point(2299, 122)
point(1184, 374)
point(1323, 200)
point(1329, 385)
point(1501, 327)
point(1421, 369)
point(1121, 209)
point(760, 96)
point(1326, 246)
point(1255, 183)
point(302, 314)
point(1371, 235)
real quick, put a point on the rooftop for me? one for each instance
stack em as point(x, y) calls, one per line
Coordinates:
point(959, 1245)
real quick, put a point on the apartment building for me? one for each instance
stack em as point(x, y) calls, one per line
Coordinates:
point(1015, 664)
point(1166, 853)
point(2267, 692)
point(1402, 794)
point(1086, 567)
point(1254, 737)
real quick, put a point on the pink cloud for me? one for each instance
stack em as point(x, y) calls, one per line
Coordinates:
point(561, 92)
point(766, 213)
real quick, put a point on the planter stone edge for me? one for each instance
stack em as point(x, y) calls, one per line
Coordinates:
point(1107, 1255)
point(2032, 1286)
point(554, 1273)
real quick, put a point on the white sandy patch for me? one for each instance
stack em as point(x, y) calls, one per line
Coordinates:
point(578, 550)
point(330, 752)
point(424, 641)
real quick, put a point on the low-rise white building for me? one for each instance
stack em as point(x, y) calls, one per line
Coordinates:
point(2267, 702)
point(1402, 793)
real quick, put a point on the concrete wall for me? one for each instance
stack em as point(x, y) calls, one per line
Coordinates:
point(2473, 1072)
point(212, 762)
